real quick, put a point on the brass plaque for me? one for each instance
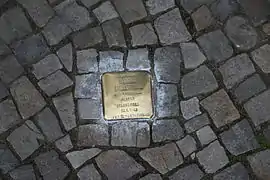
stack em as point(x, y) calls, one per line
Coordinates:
point(127, 95)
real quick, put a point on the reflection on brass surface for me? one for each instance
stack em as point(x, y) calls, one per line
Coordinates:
point(127, 95)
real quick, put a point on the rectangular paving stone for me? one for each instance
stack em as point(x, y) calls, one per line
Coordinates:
point(87, 61)
point(111, 61)
point(260, 57)
point(4, 49)
point(206, 135)
point(190, 171)
point(105, 12)
point(138, 60)
point(143, 34)
point(64, 144)
point(29, 100)
point(65, 55)
point(197, 123)
point(222, 9)
point(3, 90)
point(202, 18)
point(190, 108)
point(157, 6)
point(87, 86)
point(89, 109)
point(24, 172)
point(7, 160)
point(236, 171)
point(187, 145)
point(88, 172)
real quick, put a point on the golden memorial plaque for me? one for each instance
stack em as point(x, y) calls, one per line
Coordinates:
point(127, 95)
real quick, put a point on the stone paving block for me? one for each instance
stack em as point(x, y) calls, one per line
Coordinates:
point(266, 133)
point(87, 61)
point(216, 46)
point(10, 69)
point(167, 62)
point(78, 158)
point(202, 18)
point(7, 160)
point(157, 6)
point(65, 107)
point(163, 158)
point(266, 29)
point(25, 172)
point(105, 12)
point(25, 139)
point(65, 55)
point(130, 10)
point(224, 8)
point(4, 49)
point(151, 177)
point(131, 134)
point(31, 49)
point(199, 81)
point(258, 108)
point(89, 109)
point(29, 100)
point(87, 86)
point(93, 134)
point(88, 172)
point(143, 34)
point(88, 38)
point(50, 166)
point(49, 125)
point(260, 164)
point(190, 172)
point(236, 171)
point(113, 31)
point(73, 15)
point(64, 144)
point(171, 28)
point(190, 108)
point(213, 157)
point(241, 33)
point(40, 11)
point(261, 57)
point(187, 145)
point(46, 66)
point(236, 69)
point(167, 101)
point(192, 55)
point(111, 61)
point(14, 25)
point(206, 135)
point(124, 166)
point(89, 3)
point(55, 83)
point(164, 130)
point(3, 90)
point(220, 108)
point(138, 60)
point(55, 31)
point(249, 88)
point(189, 6)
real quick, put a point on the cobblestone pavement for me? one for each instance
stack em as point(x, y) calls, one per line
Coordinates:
point(210, 63)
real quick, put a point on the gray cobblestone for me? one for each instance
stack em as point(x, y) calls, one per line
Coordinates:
point(89, 3)
point(89, 109)
point(260, 164)
point(87, 61)
point(260, 56)
point(138, 60)
point(105, 12)
point(191, 5)
point(202, 18)
point(206, 135)
point(190, 108)
point(7, 160)
point(191, 172)
point(143, 34)
point(3, 91)
point(111, 61)
point(266, 28)
point(223, 8)
point(151, 177)
point(187, 145)
point(157, 6)
point(88, 172)
point(64, 144)
point(25, 172)
point(4, 49)
point(66, 57)
point(236, 171)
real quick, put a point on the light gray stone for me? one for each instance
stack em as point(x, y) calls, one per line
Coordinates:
point(143, 34)
point(191, 172)
point(87, 61)
point(89, 109)
point(164, 158)
point(200, 81)
point(3, 91)
point(164, 130)
point(260, 164)
point(220, 108)
point(167, 62)
point(138, 60)
point(65, 55)
point(105, 12)
point(190, 108)
point(88, 172)
point(89, 3)
point(189, 6)
point(213, 157)
point(64, 144)
point(93, 134)
point(111, 61)
point(25, 172)
point(221, 9)
point(206, 135)
point(197, 123)
point(202, 18)
point(151, 177)
point(234, 172)
point(171, 28)
point(7, 160)
point(87, 86)
point(131, 134)
point(266, 28)
point(187, 145)
point(157, 6)
point(261, 57)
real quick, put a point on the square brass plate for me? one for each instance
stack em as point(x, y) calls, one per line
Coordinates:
point(127, 95)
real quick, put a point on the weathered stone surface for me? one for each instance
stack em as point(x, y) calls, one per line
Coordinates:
point(4, 49)
point(3, 91)
point(169, 129)
point(157, 6)
point(49, 125)
point(187, 145)
point(213, 157)
point(87, 61)
point(66, 57)
point(206, 135)
point(31, 50)
point(138, 60)
point(14, 25)
point(258, 108)
point(89, 109)
point(221, 9)
point(130, 10)
point(111, 61)
point(88, 172)
point(10, 69)
point(40, 11)
point(199, 81)
point(151, 177)
point(191, 5)
point(167, 101)
point(7, 160)
point(46, 66)
point(25, 172)
point(50, 166)
point(55, 83)
point(143, 34)
point(171, 28)
point(113, 31)
point(191, 172)
point(25, 139)
point(266, 29)
point(130, 134)
point(78, 158)
point(55, 31)
point(266, 133)
point(65, 107)
point(164, 158)
point(236, 171)
point(123, 165)
point(202, 18)
point(216, 46)
point(93, 134)
point(88, 38)
point(167, 62)
point(87, 86)
point(105, 12)
point(64, 144)
point(197, 123)
point(190, 108)
point(261, 57)
point(89, 3)
point(28, 99)
point(260, 164)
